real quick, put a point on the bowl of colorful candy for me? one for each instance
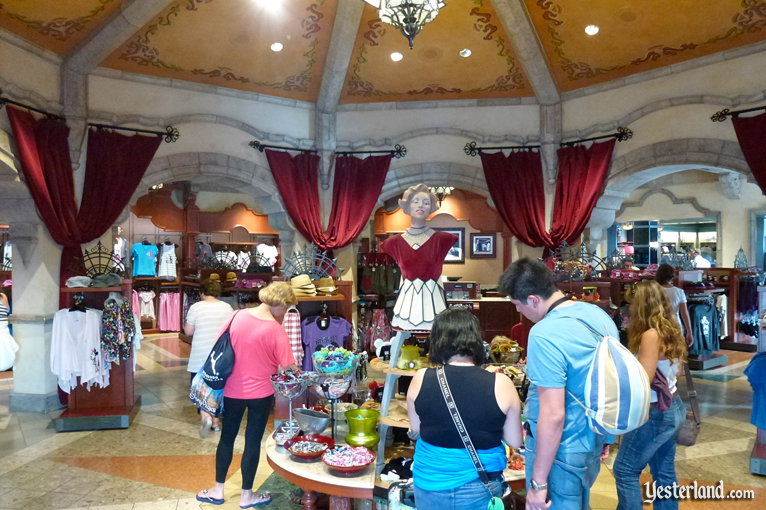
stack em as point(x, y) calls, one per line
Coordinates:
point(334, 360)
point(331, 386)
point(348, 459)
point(308, 447)
point(311, 421)
point(289, 384)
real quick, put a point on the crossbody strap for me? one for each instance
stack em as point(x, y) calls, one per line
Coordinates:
point(692, 394)
point(461, 430)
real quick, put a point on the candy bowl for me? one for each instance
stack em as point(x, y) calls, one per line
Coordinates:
point(335, 360)
point(311, 421)
point(288, 384)
point(348, 460)
point(331, 386)
point(308, 447)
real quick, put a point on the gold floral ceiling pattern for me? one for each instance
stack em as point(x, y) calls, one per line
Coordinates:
point(226, 43)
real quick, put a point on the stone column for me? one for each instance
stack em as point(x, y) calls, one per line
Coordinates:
point(36, 260)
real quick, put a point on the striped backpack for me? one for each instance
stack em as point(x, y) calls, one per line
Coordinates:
point(617, 392)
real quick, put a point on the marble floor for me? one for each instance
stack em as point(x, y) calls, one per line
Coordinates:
point(160, 461)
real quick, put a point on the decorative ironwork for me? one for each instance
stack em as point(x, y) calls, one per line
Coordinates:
point(219, 260)
point(399, 151)
point(170, 134)
point(472, 150)
point(621, 135)
point(4, 100)
point(720, 116)
point(100, 260)
point(311, 261)
point(7, 265)
point(575, 264)
point(255, 144)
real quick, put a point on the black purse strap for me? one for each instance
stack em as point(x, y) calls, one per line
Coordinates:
point(462, 431)
point(692, 394)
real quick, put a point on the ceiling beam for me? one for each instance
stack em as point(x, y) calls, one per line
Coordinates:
point(513, 16)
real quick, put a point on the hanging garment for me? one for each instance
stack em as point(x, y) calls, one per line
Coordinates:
point(135, 301)
point(137, 337)
point(203, 250)
point(120, 252)
point(7, 253)
point(314, 337)
point(118, 328)
point(421, 296)
point(268, 253)
point(8, 346)
point(76, 348)
point(705, 337)
point(168, 261)
point(243, 260)
point(146, 303)
point(292, 325)
point(144, 259)
point(170, 303)
point(380, 329)
point(722, 305)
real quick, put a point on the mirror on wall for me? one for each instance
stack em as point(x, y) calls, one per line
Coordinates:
point(647, 241)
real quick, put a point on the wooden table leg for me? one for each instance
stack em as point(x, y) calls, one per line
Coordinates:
point(309, 498)
point(339, 503)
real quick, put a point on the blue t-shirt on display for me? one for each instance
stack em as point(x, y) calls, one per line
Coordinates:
point(560, 351)
point(144, 259)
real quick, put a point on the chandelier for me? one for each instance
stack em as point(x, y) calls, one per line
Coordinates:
point(408, 16)
point(441, 192)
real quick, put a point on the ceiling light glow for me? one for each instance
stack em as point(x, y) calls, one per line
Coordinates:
point(591, 29)
point(277, 46)
point(465, 53)
point(396, 56)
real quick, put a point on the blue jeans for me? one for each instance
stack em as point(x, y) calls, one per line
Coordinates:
point(653, 443)
point(470, 496)
point(571, 475)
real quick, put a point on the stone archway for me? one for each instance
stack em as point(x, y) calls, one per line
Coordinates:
point(636, 168)
point(462, 176)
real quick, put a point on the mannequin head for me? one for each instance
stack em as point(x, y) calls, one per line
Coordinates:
point(418, 195)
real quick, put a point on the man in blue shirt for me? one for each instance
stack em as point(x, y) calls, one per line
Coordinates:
point(562, 452)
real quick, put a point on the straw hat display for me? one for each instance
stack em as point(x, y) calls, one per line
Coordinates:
point(326, 287)
point(303, 286)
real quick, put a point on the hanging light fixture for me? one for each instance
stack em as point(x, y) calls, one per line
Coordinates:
point(408, 16)
point(441, 192)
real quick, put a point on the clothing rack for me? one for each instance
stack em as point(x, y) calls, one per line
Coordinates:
point(705, 361)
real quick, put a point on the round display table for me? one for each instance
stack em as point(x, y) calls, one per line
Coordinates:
point(316, 477)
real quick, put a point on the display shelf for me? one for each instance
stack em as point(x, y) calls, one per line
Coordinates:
point(383, 366)
point(334, 297)
point(74, 290)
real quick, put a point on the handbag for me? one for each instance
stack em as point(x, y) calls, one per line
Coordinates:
point(507, 501)
point(220, 361)
point(204, 397)
point(687, 434)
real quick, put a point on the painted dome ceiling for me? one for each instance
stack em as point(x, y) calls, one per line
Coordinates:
point(517, 47)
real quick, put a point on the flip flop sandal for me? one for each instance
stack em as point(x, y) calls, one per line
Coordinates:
point(265, 499)
point(209, 499)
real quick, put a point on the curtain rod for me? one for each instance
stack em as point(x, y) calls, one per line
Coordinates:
point(721, 115)
point(170, 134)
point(621, 135)
point(399, 151)
point(255, 144)
point(472, 150)
point(5, 100)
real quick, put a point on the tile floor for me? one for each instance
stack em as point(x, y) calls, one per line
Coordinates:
point(160, 461)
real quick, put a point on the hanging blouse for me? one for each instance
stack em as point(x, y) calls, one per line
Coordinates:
point(168, 260)
point(76, 349)
point(117, 330)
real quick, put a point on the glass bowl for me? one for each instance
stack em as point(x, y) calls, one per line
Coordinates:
point(291, 388)
point(348, 459)
point(331, 386)
point(293, 446)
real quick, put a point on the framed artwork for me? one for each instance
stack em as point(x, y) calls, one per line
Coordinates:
point(483, 246)
point(456, 254)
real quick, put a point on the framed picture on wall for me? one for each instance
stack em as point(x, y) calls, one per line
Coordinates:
point(456, 254)
point(483, 246)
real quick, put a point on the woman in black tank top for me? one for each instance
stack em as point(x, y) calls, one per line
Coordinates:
point(444, 475)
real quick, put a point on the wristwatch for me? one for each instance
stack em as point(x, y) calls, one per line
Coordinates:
point(538, 486)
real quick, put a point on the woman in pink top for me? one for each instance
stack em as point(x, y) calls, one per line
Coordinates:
point(261, 348)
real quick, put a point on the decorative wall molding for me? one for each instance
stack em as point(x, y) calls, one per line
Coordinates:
point(731, 185)
point(704, 212)
point(464, 135)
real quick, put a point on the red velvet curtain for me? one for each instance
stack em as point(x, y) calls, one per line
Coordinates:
point(356, 189)
point(581, 178)
point(515, 183)
point(751, 133)
point(115, 165)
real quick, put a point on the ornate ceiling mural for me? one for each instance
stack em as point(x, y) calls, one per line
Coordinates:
point(227, 43)
point(638, 36)
point(56, 25)
point(434, 69)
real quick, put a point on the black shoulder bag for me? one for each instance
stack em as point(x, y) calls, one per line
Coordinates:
point(220, 361)
point(495, 503)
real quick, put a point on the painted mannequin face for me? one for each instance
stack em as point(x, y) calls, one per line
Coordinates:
point(420, 206)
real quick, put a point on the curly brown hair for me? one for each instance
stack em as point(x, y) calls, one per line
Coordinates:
point(650, 309)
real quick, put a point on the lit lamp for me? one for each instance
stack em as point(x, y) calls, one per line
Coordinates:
point(408, 16)
point(441, 192)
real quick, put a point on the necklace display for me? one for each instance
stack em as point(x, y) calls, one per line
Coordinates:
point(416, 239)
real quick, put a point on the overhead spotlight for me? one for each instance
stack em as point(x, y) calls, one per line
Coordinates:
point(591, 29)
point(465, 53)
point(396, 56)
point(277, 46)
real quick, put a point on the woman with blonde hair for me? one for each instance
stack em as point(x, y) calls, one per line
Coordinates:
point(261, 348)
point(655, 337)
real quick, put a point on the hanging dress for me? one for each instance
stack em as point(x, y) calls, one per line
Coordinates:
point(168, 261)
point(421, 296)
point(8, 346)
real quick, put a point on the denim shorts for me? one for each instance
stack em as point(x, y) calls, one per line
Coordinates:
point(470, 496)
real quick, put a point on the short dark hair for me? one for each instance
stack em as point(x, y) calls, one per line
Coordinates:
point(456, 331)
point(211, 287)
point(665, 274)
point(525, 278)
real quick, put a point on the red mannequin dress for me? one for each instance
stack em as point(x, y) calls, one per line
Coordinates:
point(421, 296)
